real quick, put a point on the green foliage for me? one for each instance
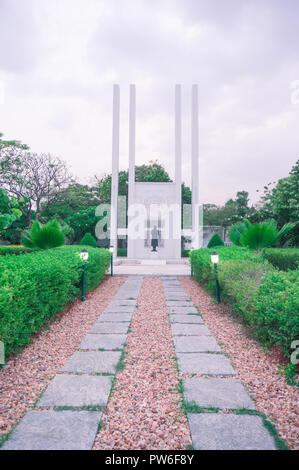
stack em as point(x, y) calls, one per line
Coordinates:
point(14, 250)
point(36, 286)
point(283, 258)
point(89, 240)
point(237, 230)
point(215, 240)
point(44, 237)
point(266, 299)
point(9, 211)
point(122, 252)
point(257, 236)
point(83, 221)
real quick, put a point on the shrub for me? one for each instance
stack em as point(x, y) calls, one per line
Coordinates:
point(283, 258)
point(257, 236)
point(89, 240)
point(44, 237)
point(121, 252)
point(36, 286)
point(215, 240)
point(15, 250)
point(275, 317)
point(266, 299)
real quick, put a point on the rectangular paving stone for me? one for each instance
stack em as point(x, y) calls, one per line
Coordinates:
point(113, 328)
point(95, 342)
point(189, 309)
point(188, 344)
point(185, 319)
point(181, 329)
point(92, 361)
point(176, 297)
point(122, 303)
point(77, 390)
point(55, 430)
point(178, 303)
point(202, 363)
point(217, 431)
point(217, 393)
point(119, 309)
point(114, 317)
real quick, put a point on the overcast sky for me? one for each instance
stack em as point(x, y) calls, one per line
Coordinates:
point(60, 58)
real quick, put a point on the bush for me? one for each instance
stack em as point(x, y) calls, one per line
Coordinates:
point(283, 258)
point(121, 252)
point(36, 286)
point(89, 240)
point(44, 237)
point(266, 299)
point(215, 240)
point(15, 250)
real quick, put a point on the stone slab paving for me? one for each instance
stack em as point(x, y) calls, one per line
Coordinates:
point(217, 393)
point(198, 353)
point(119, 309)
point(204, 364)
point(189, 344)
point(216, 431)
point(92, 362)
point(80, 384)
point(115, 317)
point(76, 391)
point(94, 342)
point(112, 328)
point(178, 303)
point(182, 329)
point(189, 309)
point(193, 319)
point(55, 430)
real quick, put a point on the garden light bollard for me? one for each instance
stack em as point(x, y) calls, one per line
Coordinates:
point(84, 258)
point(111, 249)
point(215, 261)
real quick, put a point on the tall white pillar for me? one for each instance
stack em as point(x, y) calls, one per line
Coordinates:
point(132, 139)
point(195, 166)
point(178, 163)
point(115, 168)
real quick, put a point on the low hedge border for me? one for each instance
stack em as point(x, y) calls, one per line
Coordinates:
point(15, 250)
point(36, 286)
point(266, 299)
point(283, 258)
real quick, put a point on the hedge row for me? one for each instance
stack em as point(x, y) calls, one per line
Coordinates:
point(15, 250)
point(266, 299)
point(283, 258)
point(36, 286)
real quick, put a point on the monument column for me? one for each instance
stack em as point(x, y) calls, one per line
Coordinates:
point(132, 138)
point(178, 167)
point(115, 169)
point(195, 167)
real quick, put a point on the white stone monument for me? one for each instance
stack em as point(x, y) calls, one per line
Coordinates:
point(158, 203)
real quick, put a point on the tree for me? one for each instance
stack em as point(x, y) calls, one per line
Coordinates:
point(37, 179)
point(153, 172)
point(12, 143)
point(9, 211)
point(83, 221)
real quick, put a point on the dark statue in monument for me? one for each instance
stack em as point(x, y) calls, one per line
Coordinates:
point(155, 238)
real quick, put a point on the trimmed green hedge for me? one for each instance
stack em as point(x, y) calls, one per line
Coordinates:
point(36, 286)
point(15, 250)
point(283, 258)
point(266, 299)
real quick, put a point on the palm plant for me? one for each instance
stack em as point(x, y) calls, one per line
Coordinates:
point(44, 236)
point(257, 236)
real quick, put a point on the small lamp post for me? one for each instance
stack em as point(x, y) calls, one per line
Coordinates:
point(215, 261)
point(111, 249)
point(84, 258)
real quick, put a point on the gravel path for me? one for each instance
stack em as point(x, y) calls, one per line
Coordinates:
point(28, 374)
point(144, 409)
point(255, 368)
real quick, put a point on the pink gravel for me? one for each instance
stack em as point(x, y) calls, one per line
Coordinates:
point(144, 409)
point(254, 367)
point(28, 374)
